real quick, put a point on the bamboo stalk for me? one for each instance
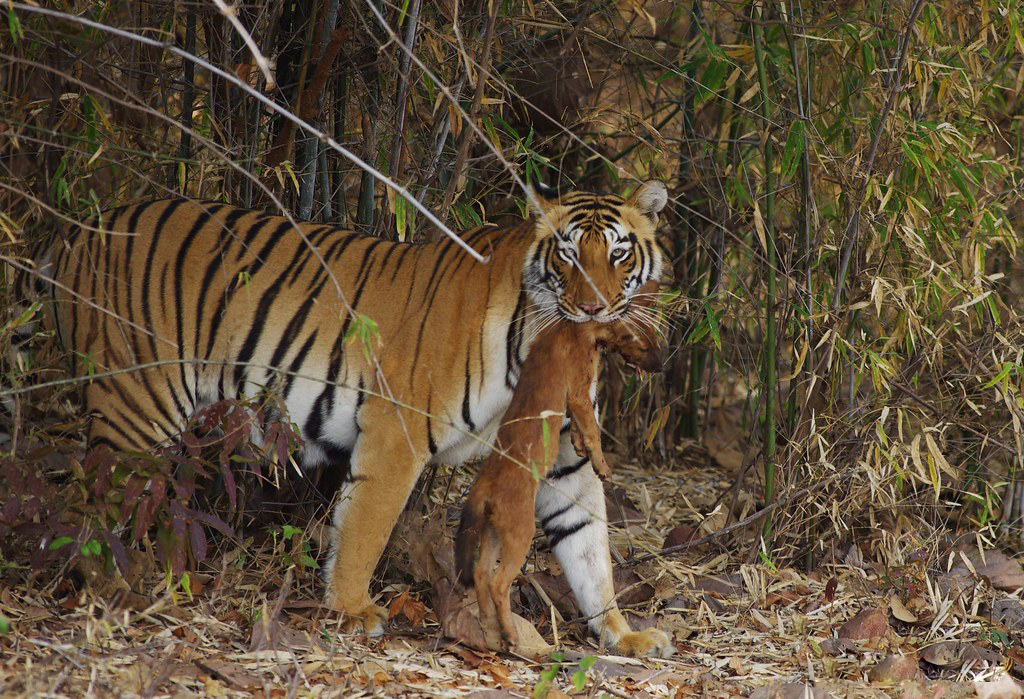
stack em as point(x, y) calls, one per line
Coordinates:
point(188, 98)
point(311, 146)
point(769, 376)
point(341, 102)
point(483, 69)
point(402, 98)
point(697, 356)
point(367, 183)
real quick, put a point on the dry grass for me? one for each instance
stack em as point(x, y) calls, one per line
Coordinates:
point(253, 626)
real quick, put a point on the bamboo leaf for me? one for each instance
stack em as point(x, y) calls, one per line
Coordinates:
point(792, 150)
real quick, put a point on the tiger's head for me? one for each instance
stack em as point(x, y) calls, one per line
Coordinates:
point(594, 251)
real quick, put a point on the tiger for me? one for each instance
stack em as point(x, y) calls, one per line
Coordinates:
point(387, 355)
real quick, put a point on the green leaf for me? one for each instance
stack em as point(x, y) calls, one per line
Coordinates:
point(713, 327)
point(288, 531)
point(587, 662)
point(400, 217)
point(1003, 373)
point(5, 625)
point(91, 548)
point(60, 542)
point(712, 79)
point(793, 150)
point(14, 24)
point(710, 45)
point(308, 561)
point(579, 680)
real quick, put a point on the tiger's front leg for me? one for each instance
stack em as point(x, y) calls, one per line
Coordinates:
point(386, 461)
point(571, 510)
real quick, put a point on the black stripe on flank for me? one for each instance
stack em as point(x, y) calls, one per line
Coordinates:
point(557, 535)
point(304, 253)
point(387, 256)
point(324, 403)
point(565, 428)
point(554, 515)
point(336, 251)
point(218, 252)
point(406, 249)
point(412, 286)
point(514, 340)
point(467, 416)
point(268, 247)
point(303, 256)
point(220, 383)
point(215, 319)
point(148, 299)
point(256, 329)
point(434, 285)
point(122, 422)
point(364, 272)
point(563, 471)
point(360, 399)
point(431, 443)
point(254, 230)
point(439, 261)
point(296, 364)
point(202, 219)
point(290, 333)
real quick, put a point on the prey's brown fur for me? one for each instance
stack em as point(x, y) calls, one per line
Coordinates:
point(499, 513)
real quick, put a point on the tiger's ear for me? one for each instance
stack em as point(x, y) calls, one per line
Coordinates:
point(649, 198)
point(540, 197)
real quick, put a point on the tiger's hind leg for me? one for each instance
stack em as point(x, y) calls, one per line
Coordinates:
point(387, 457)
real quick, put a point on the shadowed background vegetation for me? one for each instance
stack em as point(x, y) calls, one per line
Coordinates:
point(844, 186)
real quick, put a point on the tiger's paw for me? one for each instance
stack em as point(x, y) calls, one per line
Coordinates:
point(371, 620)
point(649, 642)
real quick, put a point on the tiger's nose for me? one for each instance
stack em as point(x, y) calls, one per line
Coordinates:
point(591, 308)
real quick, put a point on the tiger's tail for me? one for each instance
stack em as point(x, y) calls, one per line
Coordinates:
point(467, 539)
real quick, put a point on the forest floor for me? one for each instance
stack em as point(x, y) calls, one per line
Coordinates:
point(857, 627)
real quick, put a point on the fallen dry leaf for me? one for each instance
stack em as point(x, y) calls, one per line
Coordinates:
point(896, 668)
point(953, 654)
point(867, 625)
point(900, 611)
point(1003, 572)
point(679, 534)
point(1002, 687)
point(789, 690)
point(1009, 612)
